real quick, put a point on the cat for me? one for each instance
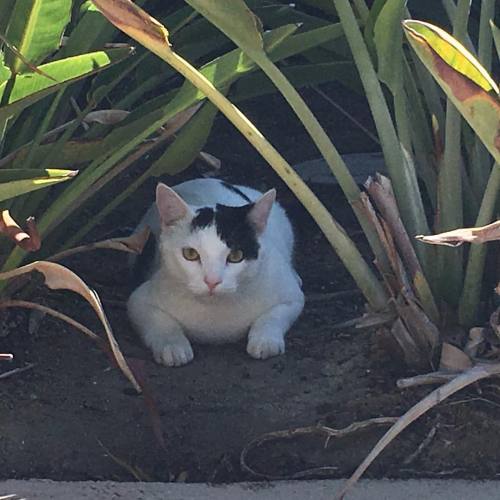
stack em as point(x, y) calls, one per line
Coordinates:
point(222, 269)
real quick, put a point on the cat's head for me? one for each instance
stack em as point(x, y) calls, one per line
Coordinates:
point(212, 251)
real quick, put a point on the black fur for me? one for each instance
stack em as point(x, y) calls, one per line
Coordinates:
point(204, 217)
point(232, 225)
point(234, 228)
point(234, 189)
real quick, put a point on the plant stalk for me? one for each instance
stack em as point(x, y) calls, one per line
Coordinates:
point(469, 300)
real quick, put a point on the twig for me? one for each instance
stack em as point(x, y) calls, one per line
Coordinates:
point(33, 305)
point(426, 379)
point(465, 379)
point(301, 431)
point(411, 458)
point(8, 374)
point(137, 472)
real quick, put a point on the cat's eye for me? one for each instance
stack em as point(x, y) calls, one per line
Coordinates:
point(235, 256)
point(190, 253)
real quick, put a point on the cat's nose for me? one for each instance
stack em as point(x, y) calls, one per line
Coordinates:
point(211, 282)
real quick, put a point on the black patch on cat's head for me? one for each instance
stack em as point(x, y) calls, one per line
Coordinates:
point(204, 217)
point(236, 231)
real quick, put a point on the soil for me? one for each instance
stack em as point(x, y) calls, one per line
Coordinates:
point(74, 417)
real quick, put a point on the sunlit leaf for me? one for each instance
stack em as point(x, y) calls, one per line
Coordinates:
point(30, 88)
point(462, 77)
point(35, 29)
point(14, 182)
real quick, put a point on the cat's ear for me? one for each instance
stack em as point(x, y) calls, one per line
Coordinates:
point(171, 207)
point(259, 213)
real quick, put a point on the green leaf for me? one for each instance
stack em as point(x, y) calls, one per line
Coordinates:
point(388, 42)
point(6, 7)
point(4, 70)
point(423, 36)
point(234, 19)
point(14, 182)
point(29, 88)
point(463, 79)
point(496, 36)
point(35, 29)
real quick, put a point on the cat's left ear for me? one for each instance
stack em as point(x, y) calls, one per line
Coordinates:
point(259, 214)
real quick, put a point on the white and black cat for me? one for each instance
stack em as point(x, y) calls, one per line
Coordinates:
point(222, 270)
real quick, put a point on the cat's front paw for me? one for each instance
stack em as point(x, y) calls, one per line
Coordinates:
point(174, 353)
point(263, 347)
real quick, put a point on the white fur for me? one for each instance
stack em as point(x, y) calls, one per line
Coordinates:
point(261, 298)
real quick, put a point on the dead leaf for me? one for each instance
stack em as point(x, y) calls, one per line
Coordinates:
point(132, 244)
point(28, 240)
point(412, 353)
point(457, 237)
point(58, 277)
point(212, 161)
point(465, 379)
point(476, 339)
point(495, 322)
point(106, 116)
point(454, 359)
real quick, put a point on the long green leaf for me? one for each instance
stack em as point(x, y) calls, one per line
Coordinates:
point(388, 38)
point(14, 182)
point(30, 88)
point(231, 21)
point(5, 73)
point(6, 7)
point(469, 301)
point(35, 29)
point(496, 36)
point(154, 36)
point(402, 175)
point(177, 157)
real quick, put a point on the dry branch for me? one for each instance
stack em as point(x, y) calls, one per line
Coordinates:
point(434, 398)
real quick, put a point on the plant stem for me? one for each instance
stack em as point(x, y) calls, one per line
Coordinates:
point(327, 149)
point(469, 300)
point(343, 245)
point(450, 196)
point(402, 175)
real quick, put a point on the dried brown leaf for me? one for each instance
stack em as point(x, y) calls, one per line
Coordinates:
point(212, 161)
point(495, 322)
point(131, 244)
point(454, 359)
point(28, 240)
point(475, 341)
point(418, 323)
point(457, 237)
point(106, 116)
point(58, 277)
point(412, 353)
point(434, 398)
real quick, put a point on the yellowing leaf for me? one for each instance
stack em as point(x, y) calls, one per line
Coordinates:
point(462, 78)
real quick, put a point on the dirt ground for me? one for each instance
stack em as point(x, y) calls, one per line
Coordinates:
point(73, 417)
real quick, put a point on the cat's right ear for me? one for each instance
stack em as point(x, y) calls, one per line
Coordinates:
point(171, 207)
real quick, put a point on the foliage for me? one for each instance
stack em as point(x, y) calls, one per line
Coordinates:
point(432, 186)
